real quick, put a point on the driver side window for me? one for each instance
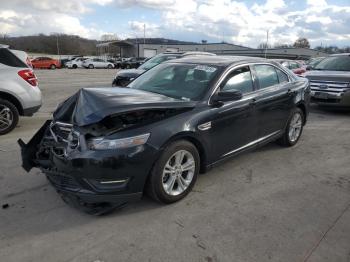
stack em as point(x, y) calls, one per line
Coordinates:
point(240, 80)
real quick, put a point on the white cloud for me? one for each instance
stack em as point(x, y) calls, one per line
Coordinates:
point(25, 17)
point(138, 27)
point(246, 25)
point(316, 2)
point(13, 23)
point(236, 20)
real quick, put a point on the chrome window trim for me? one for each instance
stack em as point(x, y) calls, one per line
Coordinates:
point(236, 66)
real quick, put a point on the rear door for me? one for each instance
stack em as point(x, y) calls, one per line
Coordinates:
point(274, 100)
point(100, 63)
point(46, 62)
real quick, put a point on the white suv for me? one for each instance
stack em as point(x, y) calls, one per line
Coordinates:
point(19, 92)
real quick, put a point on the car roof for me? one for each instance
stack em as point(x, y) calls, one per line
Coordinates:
point(342, 54)
point(218, 60)
point(187, 53)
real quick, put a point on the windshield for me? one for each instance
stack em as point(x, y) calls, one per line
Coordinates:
point(181, 81)
point(334, 63)
point(156, 60)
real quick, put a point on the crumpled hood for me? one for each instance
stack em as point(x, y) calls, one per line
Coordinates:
point(340, 76)
point(91, 105)
point(130, 73)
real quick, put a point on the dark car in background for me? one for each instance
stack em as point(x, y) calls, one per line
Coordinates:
point(313, 62)
point(104, 147)
point(124, 77)
point(134, 62)
point(330, 81)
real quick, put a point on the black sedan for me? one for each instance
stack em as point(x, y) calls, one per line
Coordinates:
point(106, 146)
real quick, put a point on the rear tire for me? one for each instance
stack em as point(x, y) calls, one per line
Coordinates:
point(52, 67)
point(294, 129)
point(8, 116)
point(167, 182)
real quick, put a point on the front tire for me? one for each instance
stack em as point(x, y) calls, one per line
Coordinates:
point(293, 129)
point(91, 66)
point(109, 66)
point(175, 173)
point(8, 116)
point(52, 67)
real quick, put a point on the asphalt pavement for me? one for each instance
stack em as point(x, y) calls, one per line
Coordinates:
point(273, 204)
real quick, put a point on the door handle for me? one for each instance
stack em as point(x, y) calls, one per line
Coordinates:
point(252, 102)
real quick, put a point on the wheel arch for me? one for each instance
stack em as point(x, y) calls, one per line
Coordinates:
point(13, 100)
point(302, 107)
point(187, 136)
point(190, 137)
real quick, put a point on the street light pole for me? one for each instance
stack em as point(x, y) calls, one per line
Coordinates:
point(58, 49)
point(267, 41)
point(144, 33)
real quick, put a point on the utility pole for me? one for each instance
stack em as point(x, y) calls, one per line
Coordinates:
point(58, 49)
point(267, 41)
point(144, 33)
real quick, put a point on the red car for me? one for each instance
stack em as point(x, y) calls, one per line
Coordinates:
point(297, 67)
point(46, 62)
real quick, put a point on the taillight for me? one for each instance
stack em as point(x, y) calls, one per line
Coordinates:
point(29, 76)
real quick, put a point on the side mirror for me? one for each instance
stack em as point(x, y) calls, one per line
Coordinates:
point(308, 67)
point(225, 96)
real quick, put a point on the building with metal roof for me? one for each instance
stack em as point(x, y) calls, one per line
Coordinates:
point(148, 47)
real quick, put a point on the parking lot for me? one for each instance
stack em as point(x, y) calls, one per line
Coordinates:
point(274, 204)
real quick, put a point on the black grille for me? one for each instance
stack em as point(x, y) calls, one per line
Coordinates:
point(62, 181)
point(61, 132)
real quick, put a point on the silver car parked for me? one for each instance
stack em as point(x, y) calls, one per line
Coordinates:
point(97, 63)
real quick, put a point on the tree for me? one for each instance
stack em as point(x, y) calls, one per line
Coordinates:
point(279, 45)
point(332, 49)
point(109, 37)
point(264, 46)
point(302, 43)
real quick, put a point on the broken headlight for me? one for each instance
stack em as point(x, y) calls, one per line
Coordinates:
point(102, 143)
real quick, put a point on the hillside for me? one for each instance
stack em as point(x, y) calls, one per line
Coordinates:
point(68, 44)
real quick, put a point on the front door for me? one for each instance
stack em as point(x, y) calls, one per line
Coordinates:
point(233, 125)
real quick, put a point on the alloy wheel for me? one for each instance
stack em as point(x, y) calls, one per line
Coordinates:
point(6, 117)
point(178, 172)
point(295, 127)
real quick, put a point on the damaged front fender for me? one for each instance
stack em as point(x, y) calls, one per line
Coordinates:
point(29, 150)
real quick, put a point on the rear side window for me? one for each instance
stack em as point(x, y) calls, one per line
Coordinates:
point(9, 59)
point(294, 65)
point(266, 75)
point(282, 77)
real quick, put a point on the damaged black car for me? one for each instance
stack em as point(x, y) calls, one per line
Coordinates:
point(105, 147)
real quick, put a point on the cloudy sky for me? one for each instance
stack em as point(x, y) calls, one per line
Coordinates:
point(239, 22)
